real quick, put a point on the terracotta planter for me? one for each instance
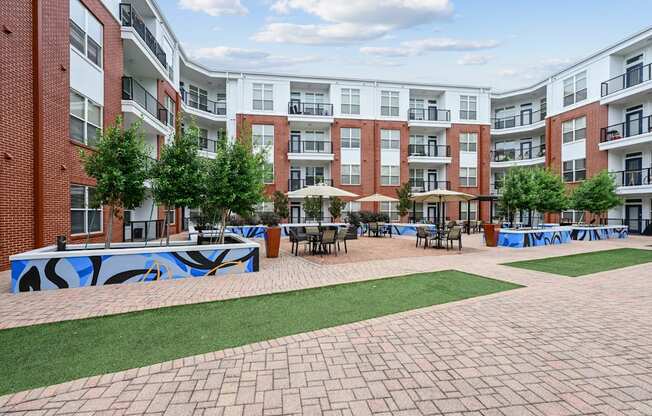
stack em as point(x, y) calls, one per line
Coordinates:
point(491, 234)
point(272, 242)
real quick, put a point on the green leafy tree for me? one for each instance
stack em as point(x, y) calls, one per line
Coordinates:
point(312, 206)
point(335, 208)
point(119, 165)
point(178, 175)
point(518, 191)
point(234, 180)
point(404, 194)
point(281, 204)
point(550, 192)
point(596, 195)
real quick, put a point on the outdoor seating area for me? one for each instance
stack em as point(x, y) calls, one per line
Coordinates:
point(320, 240)
point(439, 236)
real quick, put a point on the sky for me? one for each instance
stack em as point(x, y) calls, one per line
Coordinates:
point(501, 44)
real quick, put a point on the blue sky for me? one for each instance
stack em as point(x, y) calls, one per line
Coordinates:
point(502, 44)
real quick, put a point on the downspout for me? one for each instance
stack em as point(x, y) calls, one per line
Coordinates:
point(37, 95)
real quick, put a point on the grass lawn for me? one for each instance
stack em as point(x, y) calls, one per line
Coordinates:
point(47, 354)
point(587, 263)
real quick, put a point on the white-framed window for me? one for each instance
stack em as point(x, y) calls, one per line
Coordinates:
point(391, 209)
point(268, 173)
point(418, 103)
point(468, 142)
point(571, 216)
point(472, 214)
point(351, 206)
point(171, 106)
point(265, 206)
point(574, 170)
point(575, 88)
point(350, 101)
point(574, 130)
point(468, 107)
point(197, 97)
point(468, 177)
point(83, 218)
point(263, 98)
point(350, 174)
point(390, 139)
point(350, 138)
point(86, 33)
point(389, 103)
point(85, 119)
point(390, 175)
point(172, 216)
point(263, 135)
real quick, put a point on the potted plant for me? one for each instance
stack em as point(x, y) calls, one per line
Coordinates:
point(335, 208)
point(354, 224)
point(272, 234)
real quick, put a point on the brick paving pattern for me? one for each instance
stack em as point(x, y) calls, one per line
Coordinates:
point(560, 346)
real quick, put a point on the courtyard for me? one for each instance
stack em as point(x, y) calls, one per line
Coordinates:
point(557, 345)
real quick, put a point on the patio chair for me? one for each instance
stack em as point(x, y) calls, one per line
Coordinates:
point(422, 235)
point(374, 228)
point(454, 234)
point(342, 235)
point(296, 238)
point(430, 237)
point(312, 230)
point(328, 240)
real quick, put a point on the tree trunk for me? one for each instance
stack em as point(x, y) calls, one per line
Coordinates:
point(225, 215)
point(165, 225)
point(109, 232)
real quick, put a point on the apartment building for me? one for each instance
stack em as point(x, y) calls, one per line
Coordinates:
point(71, 68)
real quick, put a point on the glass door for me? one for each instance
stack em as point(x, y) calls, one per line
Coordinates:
point(295, 213)
point(433, 214)
point(432, 110)
point(295, 103)
point(633, 214)
point(295, 142)
point(634, 71)
point(526, 150)
point(295, 179)
point(634, 121)
point(432, 146)
point(526, 114)
point(432, 180)
point(634, 171)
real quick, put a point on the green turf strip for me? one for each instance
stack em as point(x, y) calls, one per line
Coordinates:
point(587, 263)
point(47, 354)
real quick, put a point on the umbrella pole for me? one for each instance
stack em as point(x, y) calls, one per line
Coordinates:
point(414, 211)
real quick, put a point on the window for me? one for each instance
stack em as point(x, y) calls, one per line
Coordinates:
point(468, 107)
point(265, 206)
point(350, 138)
point(351, 206)
point(203, 140)
point(389, 103)
point(171, 106)
point(263, 97)
point(468, 142)
point(85, 119)
point(350, 174)
point(574, 130)
point(84, 218)
point(574, 170)
point(85, 33)
point(391, 209)
point(571, 216)
point(575, 88)
point(472, 211)
point(172, 216)
point(197, 97)
point(389, 175)
point(268, 173)
point(263, 135)
point(390, 139)
point(416, 177)
point(468, 177)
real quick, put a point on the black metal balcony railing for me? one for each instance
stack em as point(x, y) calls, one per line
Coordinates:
point(130, 18)
point(630, 78)
point(496, 187)
point(296, 184)
point(310, 109)
point(526, 153)
point(636, 177)
point(419, 185)
point(629, 128)
point(133, 91)
point(142, 230)
point(429, 114)
point(429, 150)
point(310, 146)
point(202, 103)
point(634, 225)
point(525, 118)
point(208, 145)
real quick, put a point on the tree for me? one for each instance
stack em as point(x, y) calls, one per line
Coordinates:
point(335, 208)
point(234, 179)
point(404, 194)
point(119, 165)
point(312, 207)
point(178, 175)
point(596, 195)
point(281, 204)
point(518, 191)
point(550, 192)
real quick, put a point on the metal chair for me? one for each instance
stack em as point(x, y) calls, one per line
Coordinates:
point(422, 234)
point(342, 235)
point(454, 234)
point(328, 240)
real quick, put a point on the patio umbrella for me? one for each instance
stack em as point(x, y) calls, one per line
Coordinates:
point(377, 198)
point(321, 190)
point(440, 196)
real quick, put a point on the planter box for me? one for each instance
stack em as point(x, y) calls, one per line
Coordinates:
point(80, 266)
point(602, 232)
point(531, 238)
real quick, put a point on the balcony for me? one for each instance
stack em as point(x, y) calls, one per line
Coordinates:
point(135, 31)
point(527, 120)
point(633, 181)
point(420, 185)
point(296, 184)
point(629, 133)
point(310, 150)
point(138, 103)
point(203, 107)
point(429, 154)
point(634, 82)
point(311, 112)
point(518, 157)
point(495, 187)
point(429, 117)
point(208, 145)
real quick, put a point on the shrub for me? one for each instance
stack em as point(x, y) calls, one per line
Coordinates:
point(270, 219)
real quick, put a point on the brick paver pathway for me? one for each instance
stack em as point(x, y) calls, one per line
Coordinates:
point(561, 346)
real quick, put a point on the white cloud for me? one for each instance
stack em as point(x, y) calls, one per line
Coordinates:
point(472, 59)
point(215, 7)
point(227, 57)
point(507, 72)
point(422, 46)
point(537, 70)
point(352, 20)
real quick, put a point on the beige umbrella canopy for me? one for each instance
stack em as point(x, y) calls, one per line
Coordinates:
point(322, 191)
point(442, 195)
point(377, 198)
